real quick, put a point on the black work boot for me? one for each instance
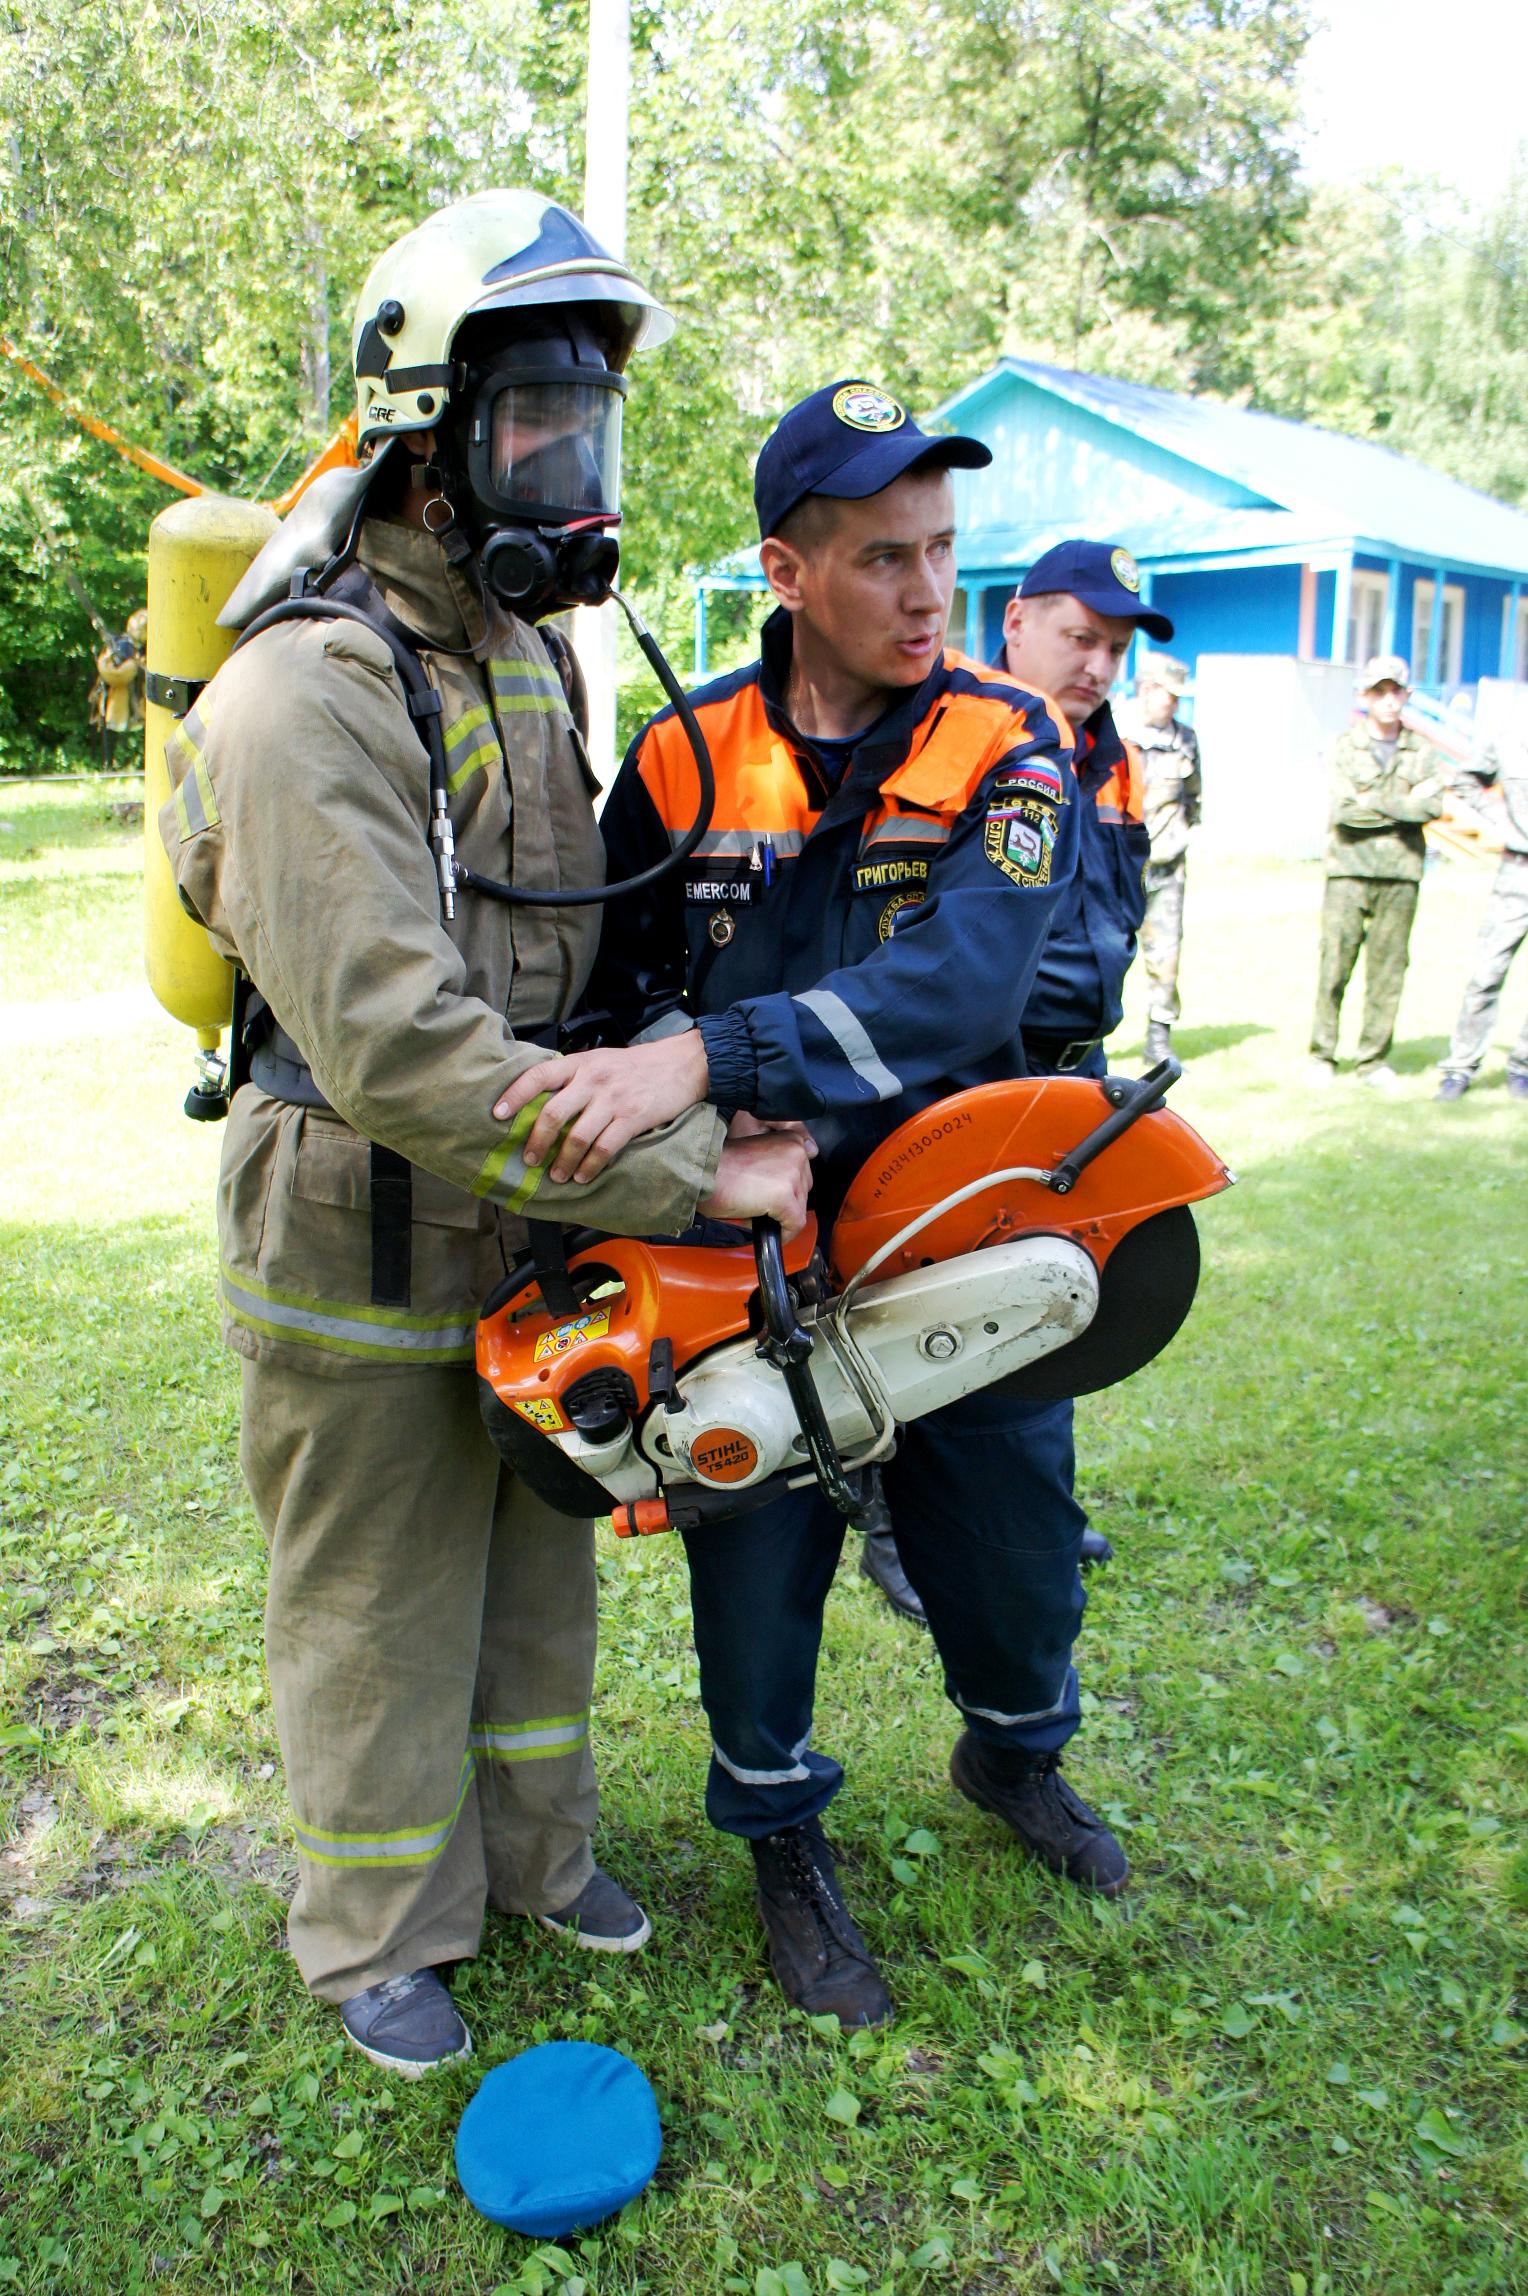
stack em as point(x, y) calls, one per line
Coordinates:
point(1029, 1794)
point(821, 1962)
point(1159, 1042)
point(882, 1565)
point(1095, 1548)
point(879, 1559)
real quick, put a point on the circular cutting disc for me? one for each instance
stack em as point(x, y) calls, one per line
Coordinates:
point(1144, 1292)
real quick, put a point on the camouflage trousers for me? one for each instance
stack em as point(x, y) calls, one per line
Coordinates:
point(1503, 930)
point(1162, 936)
point(1373, 914)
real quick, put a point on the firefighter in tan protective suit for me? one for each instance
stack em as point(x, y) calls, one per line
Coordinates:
point(430, 1623)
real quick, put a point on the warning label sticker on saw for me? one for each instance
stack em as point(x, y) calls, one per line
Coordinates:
point(542, 1412)
point(562, 1336)
point(724, 1455)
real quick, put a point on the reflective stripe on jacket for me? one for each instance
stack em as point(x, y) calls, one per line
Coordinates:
point(851, 954)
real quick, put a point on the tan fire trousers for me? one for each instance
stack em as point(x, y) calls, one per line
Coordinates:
point(430, 1630)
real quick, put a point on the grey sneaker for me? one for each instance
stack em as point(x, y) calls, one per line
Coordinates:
point(602, 1918)
point(1517, 1085)
point(1381, 1078)
point(408, 2025)
point(1320, 1075)
point(1452, 1088)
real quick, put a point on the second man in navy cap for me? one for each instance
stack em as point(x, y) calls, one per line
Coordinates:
point(1066, 630)
point(896, 831)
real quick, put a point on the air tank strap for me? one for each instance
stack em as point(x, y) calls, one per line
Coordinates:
point(277, 1067)
point(392, 1227)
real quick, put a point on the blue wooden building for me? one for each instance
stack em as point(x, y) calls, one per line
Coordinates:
point(1257, 535)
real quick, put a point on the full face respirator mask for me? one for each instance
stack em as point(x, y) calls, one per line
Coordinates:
point(538, 447)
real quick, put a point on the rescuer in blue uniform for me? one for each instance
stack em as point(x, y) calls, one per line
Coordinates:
point(857, 936)
point(1066, 630)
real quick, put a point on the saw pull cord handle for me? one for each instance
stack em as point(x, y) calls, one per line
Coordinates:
point(1137, 1100)
point(789, 1348)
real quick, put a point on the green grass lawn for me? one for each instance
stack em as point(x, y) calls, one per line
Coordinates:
point(1290, 2059)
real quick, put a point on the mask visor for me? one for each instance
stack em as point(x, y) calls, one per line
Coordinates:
point(555, 444)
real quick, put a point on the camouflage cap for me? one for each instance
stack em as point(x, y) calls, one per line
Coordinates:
point(1162, 670)
point(1384, 669)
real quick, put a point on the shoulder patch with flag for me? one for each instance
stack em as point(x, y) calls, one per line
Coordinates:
point(1031, 777)
point(1019, 836)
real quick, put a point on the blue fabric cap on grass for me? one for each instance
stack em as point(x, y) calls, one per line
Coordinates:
point(558, 2138)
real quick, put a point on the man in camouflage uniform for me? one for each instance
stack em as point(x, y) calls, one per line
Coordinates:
point(1385, 786)
point(1170, 755)
point(1496, 791)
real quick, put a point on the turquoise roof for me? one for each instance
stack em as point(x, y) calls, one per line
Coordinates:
point(1192, 480)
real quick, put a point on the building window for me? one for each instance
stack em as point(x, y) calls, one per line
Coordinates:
point(1451, 644)
point(1514, 615)
point(959, 634)
point(1366, 614)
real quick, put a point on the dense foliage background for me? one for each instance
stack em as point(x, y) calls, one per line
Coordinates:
point(191, 192)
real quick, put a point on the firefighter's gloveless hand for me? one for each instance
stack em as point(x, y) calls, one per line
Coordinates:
point(599, 1100)
point(763, 1176)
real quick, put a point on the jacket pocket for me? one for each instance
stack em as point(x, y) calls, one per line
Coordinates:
point(332, 1165)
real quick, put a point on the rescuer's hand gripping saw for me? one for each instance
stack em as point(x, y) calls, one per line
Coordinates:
point(1032, 1237)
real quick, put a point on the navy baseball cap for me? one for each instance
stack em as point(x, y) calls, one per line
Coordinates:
point(848, 440)
point(1103, 576)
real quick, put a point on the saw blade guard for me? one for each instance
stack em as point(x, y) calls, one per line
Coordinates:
point(1029, 1122)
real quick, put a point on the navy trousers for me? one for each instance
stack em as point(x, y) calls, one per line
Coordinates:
point(988, 1531)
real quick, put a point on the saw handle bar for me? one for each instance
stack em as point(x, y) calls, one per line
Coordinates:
point(1134, 1101)
point(789, 1348)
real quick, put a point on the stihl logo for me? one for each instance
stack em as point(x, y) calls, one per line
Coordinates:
point(724, 1455)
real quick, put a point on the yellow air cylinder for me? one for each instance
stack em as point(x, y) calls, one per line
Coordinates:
point(198, 550)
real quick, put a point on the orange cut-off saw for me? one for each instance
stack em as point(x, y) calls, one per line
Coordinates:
point(1033, 1237)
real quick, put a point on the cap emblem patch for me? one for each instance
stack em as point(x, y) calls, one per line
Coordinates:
point(863, 407)
point(1125, 570)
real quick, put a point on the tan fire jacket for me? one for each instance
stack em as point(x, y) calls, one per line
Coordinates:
point(297, 834)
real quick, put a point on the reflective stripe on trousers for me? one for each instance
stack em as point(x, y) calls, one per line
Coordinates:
point(344, 1327)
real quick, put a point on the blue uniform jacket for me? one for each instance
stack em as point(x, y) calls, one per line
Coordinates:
point(850, 955)
point(1080, 982)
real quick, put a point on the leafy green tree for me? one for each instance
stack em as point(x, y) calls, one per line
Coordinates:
point(190, 194)
point(1406, 321)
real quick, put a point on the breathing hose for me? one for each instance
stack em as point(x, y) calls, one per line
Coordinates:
point(589, 896)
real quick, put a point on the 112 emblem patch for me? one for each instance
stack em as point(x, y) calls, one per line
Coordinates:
point(1019, 838)
point(896, 913)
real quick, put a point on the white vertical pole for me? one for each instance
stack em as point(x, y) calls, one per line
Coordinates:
point(1342, 609)
point(605, 141)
